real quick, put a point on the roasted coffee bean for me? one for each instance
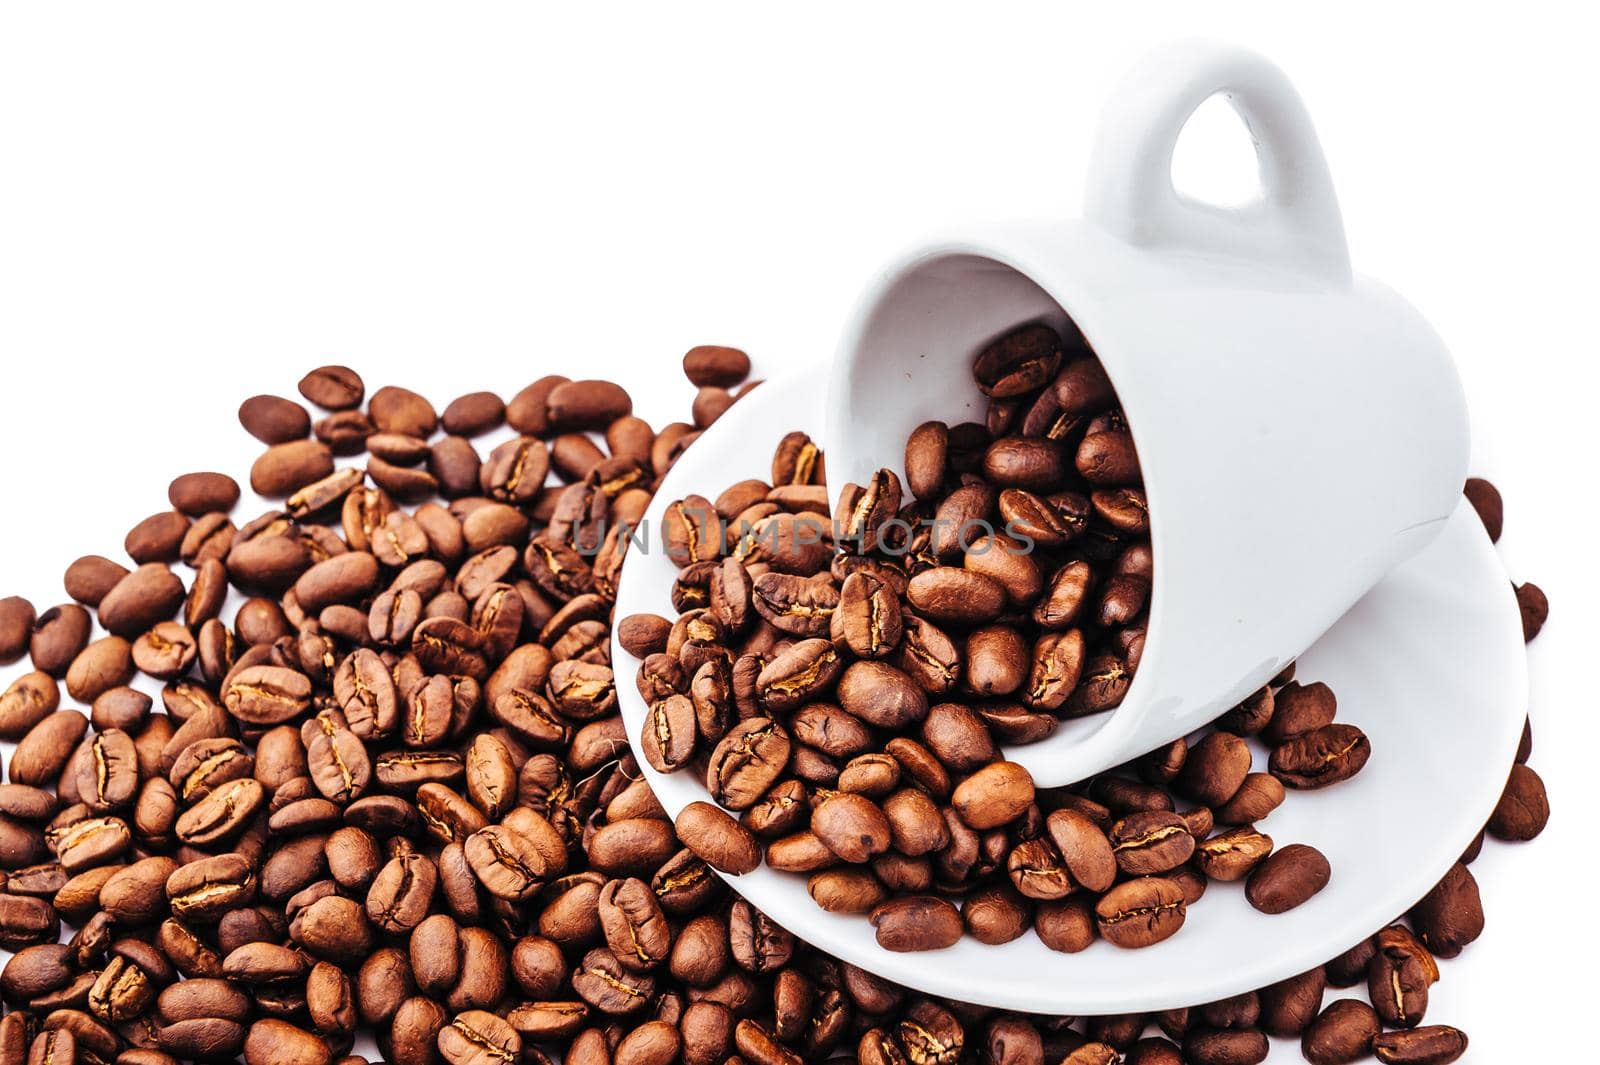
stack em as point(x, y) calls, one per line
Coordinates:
point(995, 795)
point(709, 404)
point(507, 863)
point(16, 626)
point(1434, 1045)
point(642, 635)
point(44, 750)
point(846, 890)
point(1288, 1007)
point(473, 413)
point(1092, 1053)
point(668, 740)
point(1233, 854)
point(29, 700)
point(400, 410)
point(527, 411)
point(1298, 709)
point(995, 913)
point(1215, 769)
point(195, 494)
point(267, 695)
point(87, 580)
point(322, 494)
point(121, 992)
point(652, 1043)
point(756, 942)
point(205, 889)
point(915, 923)
point(343, 578)
point(1153, 1051)
point(1162, 765)
point(1210, 1046)
point(851, 826)
point(1019, 362)
point(746, 762)
point(585, 405)
point(866, 618)
point(364, 690)
point(634, 926)
point(1257, 796)
point(330, 1001)
point(1031, 465)
point(608, 986)
point(222, 814)
point(25, 803)
point(997, 662)
point(61, 633)
point(273, 419)
point(156, 538)
point(53, 1047)
point(1450, 916)
point(1485, 499)
point(710, 365)
point(1156, 841)
point(285, 468)
point(19, 845)
point(931, 1034)
point(1085, 849)
point(1534, 607)
point(1287, 878)
point(1141, 912)
point(344, 432)
point(108, 775)
point(273, 1042)
point(926, 461)
point(864, 510)
point(333, 387)
point(25, 921)
point(757, 1045)
point(149, 594)
point(547, 1021)
point(958, 737)
point(1342, 1033)
point(1321, 757)
point(1397, 984)
point(958, 596)
point(718, 839)
point(414, 1031)
point(37, 970)
point(268, 563)
point(136, 894)
point(1523, 809)
point(793, 604)
point(477, 1037)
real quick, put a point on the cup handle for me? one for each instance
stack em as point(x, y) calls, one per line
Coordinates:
point(1294, 225)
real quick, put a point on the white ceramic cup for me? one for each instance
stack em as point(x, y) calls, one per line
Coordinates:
point(1301, 431)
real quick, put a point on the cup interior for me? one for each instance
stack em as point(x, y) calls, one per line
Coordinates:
point(909, 360)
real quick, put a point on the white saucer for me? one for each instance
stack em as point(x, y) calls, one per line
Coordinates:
point(1431, 664)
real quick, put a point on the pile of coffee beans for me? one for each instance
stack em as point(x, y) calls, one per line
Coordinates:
point(846, 686)
point(382, 788)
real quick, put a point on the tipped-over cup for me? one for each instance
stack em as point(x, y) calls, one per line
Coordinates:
point(1301, 431)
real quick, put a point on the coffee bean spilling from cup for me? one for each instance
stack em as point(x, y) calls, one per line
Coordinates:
point(853, 725)
point(392, 793)
point(845, 686)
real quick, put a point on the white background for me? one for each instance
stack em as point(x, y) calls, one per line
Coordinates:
point(199, 202)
